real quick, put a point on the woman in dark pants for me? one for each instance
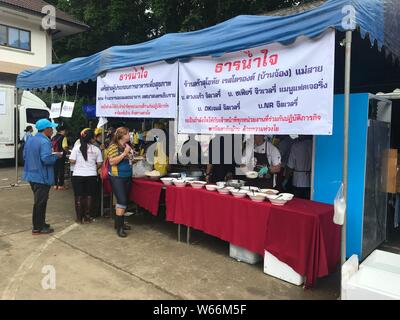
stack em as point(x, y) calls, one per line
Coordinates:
point(87, 158)
point(120, 155)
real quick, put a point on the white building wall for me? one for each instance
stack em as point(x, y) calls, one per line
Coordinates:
point(41, 43)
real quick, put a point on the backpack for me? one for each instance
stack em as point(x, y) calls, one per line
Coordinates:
point(55, 143)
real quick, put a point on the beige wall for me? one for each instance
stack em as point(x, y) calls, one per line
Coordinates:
point(15, 60)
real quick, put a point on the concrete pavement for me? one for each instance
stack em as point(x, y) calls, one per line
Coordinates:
point(91, 262)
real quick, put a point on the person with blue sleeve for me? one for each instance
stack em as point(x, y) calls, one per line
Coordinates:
point(39, 172)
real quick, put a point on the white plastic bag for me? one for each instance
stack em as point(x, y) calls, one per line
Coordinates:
point(340, 207)
point(140, 168)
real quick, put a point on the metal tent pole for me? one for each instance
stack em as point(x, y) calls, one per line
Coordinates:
point(102, 188)
point(349, 35)
point(16, 94)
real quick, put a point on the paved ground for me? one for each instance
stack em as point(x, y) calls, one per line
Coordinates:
point(91, 262)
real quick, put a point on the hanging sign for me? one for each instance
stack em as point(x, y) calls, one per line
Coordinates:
point(67, 109)
point(55, 111)
point(273, 89)
point(148, 91)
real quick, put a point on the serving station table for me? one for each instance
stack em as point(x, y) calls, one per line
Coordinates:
point(301, 233)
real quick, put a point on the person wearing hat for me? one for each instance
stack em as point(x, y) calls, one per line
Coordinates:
point(28, 134)
point(39, 172)
point(98, 132)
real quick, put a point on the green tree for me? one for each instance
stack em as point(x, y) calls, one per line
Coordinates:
point(121, 22)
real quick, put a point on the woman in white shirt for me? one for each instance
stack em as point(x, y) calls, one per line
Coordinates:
point(87, 159)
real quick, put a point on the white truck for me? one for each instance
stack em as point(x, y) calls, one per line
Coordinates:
point(31, 109)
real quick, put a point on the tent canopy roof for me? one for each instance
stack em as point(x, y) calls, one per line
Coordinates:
point(380, 19)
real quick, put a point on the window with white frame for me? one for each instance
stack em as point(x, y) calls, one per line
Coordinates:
point(15, 38)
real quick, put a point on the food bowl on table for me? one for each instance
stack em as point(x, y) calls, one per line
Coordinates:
point(237, 184)
point(221, 184)
point(278, 200)
point(249, 188)
point(211, 187)
point(287, 196)
point(269, 191)
point(189, 179)
point(153, 175)
point(252, 175)
point(257, 196)
point(179, 183)
point(175, 175)
point(167, 181)
point(226, 190)
point(237, 193)
point(198, 184)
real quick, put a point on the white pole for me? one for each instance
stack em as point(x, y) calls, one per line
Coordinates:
point(102, 188)
point(16, 94)
point(349, 35)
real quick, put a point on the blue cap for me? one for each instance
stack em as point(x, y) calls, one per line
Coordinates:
point(44, 124)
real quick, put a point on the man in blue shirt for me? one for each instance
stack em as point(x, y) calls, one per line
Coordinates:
point(39, 172)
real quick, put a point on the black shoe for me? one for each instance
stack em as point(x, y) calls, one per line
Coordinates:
point(126, 227)
point(47, 226)
point(120, 227)
point(43, 231)
point(121, 233)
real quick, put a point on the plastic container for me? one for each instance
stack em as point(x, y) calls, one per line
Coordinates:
point(276, 268)
point(372, 284)
point(243, 255)
point(384, 261)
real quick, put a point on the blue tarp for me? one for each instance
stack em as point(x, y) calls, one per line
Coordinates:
point(378, 18)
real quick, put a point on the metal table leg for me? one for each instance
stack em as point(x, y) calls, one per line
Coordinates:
point(188, 235)
point(179, 233)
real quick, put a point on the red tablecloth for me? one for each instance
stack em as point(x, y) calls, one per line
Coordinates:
point(146, 194)
point(300, 234)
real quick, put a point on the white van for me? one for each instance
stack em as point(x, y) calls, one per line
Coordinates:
point(31, 110)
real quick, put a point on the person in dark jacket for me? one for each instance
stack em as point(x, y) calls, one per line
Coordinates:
point(39, 172)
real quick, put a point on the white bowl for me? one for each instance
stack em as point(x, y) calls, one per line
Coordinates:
point(179, 183)
point(277, 200)
point(287, 196)
point(250, 189)
point(198, 184)
point(252, 175)
point(269, 191)
point(221, 184)
point(223, 190)
point(189, 179)
point(167, 181)
point(211, 187)
point(237, 193)
point(257, 196)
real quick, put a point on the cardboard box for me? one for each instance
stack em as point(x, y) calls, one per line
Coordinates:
point(390, 171)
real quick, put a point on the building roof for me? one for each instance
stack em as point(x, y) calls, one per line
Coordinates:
point(35, 7)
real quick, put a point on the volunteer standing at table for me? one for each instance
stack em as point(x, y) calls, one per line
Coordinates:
point(299, 166)
point(120, 155)
point(266, 159)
